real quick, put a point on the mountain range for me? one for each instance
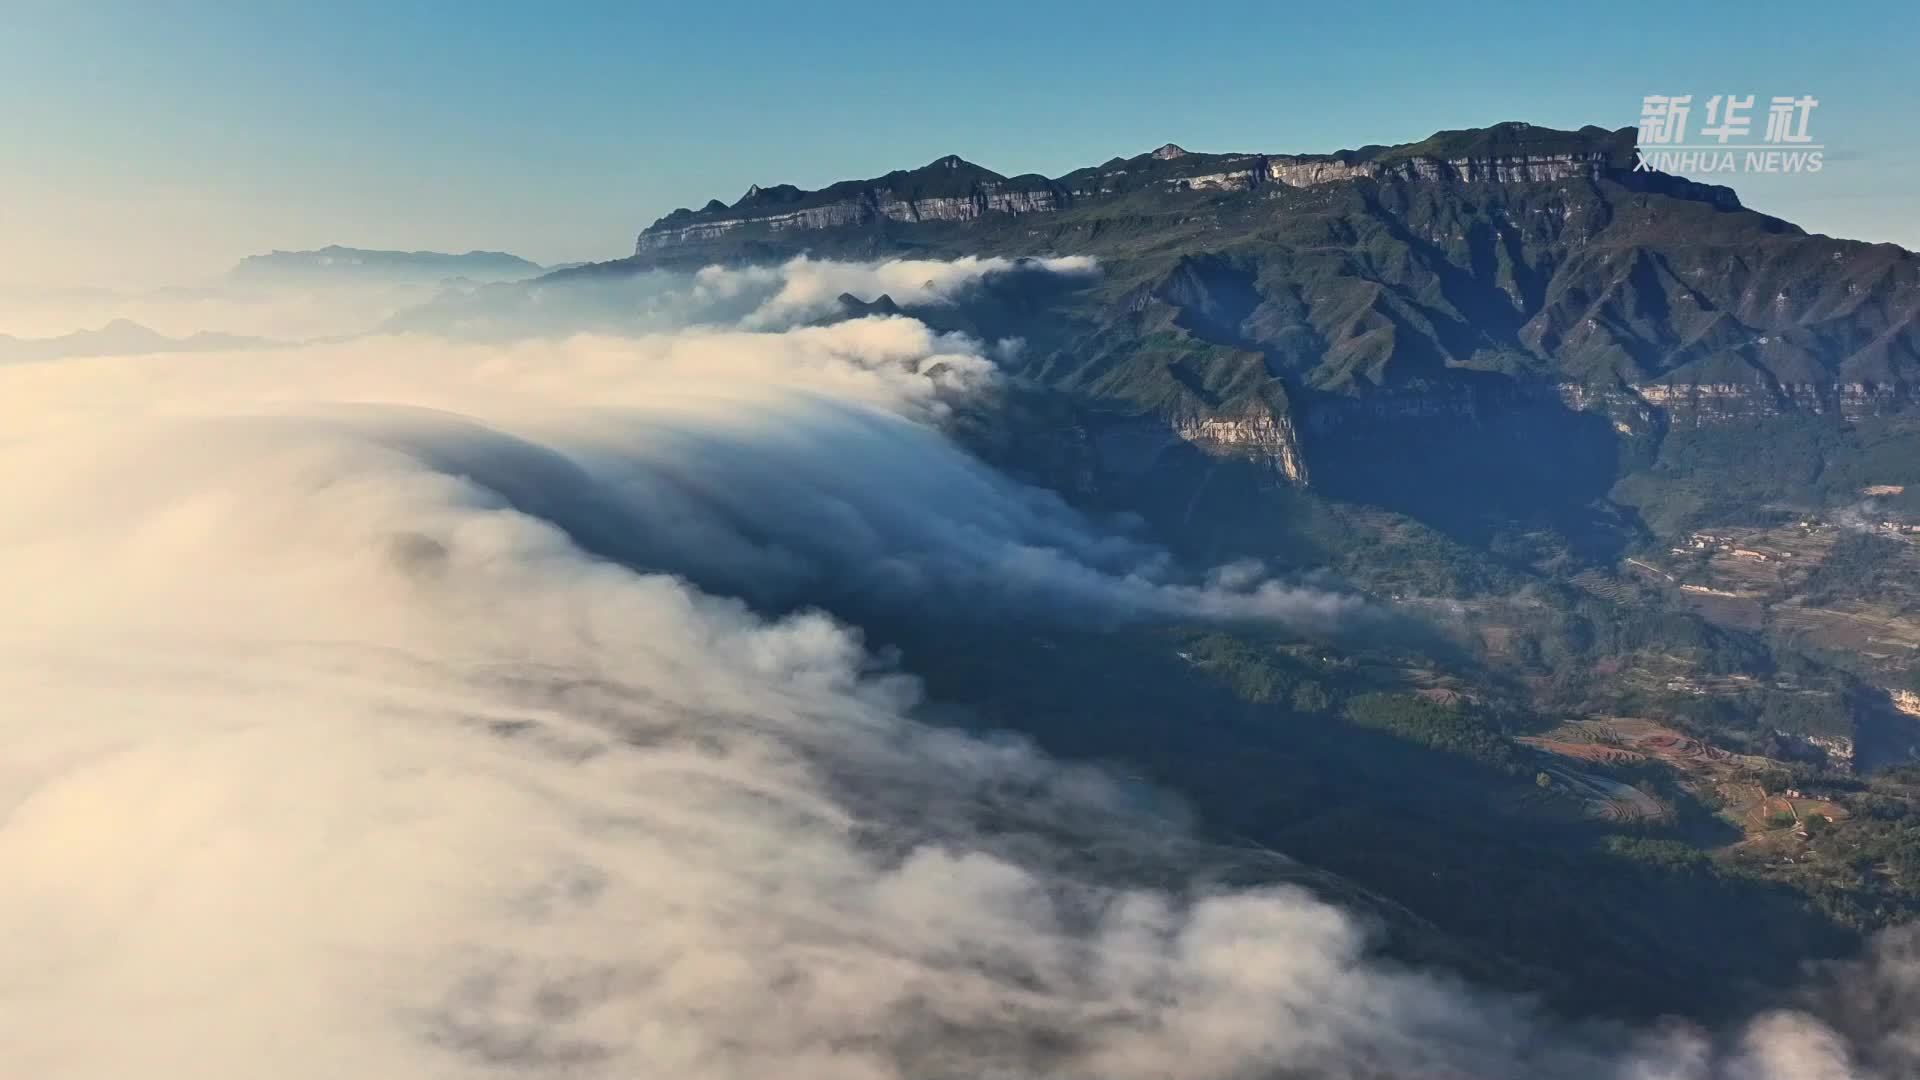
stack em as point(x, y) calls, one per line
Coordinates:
point(121, 337)
point(1646, 456)
point(1513, 248)
point(344, 264)
point(1496, 280)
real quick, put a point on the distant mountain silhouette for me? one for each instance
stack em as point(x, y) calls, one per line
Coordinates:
point(344, 264)
point(118, 338)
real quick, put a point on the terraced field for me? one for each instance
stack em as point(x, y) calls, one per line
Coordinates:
point(1609, 800)
point(1625, 741)
point(1771, 821)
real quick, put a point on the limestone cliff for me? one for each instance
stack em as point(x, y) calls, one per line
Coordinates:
point(1633, 408)
point(948, 189)
point(1264, 436)
point(953, 189)
point(1714, 404)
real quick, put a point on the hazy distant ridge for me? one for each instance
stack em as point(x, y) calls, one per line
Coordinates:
point(358, 264)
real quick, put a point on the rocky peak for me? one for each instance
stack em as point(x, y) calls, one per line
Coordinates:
point(1169, 152)
point(768, 196)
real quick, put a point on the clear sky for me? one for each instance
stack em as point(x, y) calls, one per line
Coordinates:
point(158, 140)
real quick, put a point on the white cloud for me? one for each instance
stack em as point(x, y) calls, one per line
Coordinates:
point(804, 288)
point(335, 747)
point(766, 297)
point(771, 464)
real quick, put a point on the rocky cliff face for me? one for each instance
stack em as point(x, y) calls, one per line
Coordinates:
point(952, 189)
point(1255, 171)
point(949, 189)
point(1265, 437)
point(1714, 404)
point(1522, 169)
point(1271, 437)
point(867, 208)
point(1633, 408)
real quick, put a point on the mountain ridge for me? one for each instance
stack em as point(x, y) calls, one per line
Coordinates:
point(336, 261)
point(1525, 251)
point(952, 188)
point(1379, 334)
point(118, 337)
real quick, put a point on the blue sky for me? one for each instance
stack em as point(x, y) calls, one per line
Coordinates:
point(149, 142)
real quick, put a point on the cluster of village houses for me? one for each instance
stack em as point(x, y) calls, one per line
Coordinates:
point(1709, 542)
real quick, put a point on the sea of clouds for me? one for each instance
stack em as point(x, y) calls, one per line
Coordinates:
point(427, 706)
